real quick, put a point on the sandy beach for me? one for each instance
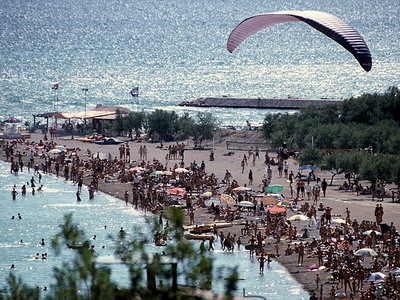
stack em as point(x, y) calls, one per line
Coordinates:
point(361, 206)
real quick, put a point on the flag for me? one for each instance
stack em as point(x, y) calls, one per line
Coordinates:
point(55, 86)
point(135, 92)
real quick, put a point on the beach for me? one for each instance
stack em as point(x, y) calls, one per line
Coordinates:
point(361, 207)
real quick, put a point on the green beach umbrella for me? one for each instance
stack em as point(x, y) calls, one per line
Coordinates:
point(275, 188)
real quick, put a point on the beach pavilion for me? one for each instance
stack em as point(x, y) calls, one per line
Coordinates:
point(97, 116)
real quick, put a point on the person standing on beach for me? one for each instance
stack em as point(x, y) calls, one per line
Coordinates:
point(324, 185)
point(78, 196)
point(250, 177)
point(301, 254)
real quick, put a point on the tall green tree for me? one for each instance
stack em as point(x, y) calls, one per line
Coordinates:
point(204, 128)
point(164, 123)
point(134, 121)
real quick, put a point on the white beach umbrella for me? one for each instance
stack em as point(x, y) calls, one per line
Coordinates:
point(181, 170)
point(365, 252)
point(242, 188)
point(368, 232)
point(298, 218)
point(339, 221)
point(245, 204)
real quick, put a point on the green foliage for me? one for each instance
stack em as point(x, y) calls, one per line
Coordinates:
point(378, 168)
point(82, 278)
point(164, 123)
point(310, 156)
point(204, 128)
point(17, 290)
point(133, 122)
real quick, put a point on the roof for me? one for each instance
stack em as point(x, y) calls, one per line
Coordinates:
point(97, 112)
point(46, 115)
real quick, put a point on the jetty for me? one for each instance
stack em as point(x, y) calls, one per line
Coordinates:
point(263, 103)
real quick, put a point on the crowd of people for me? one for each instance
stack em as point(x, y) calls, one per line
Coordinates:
point(331, 244)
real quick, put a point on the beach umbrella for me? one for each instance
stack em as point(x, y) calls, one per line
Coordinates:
point(340, 296)
point(181, 170)
point(365, 252)
point(242, 188)
point(377, 276)
point(307, 167)
point(339, 221)
point(136, 169)
point(245, 204)
point(298, 218)
point(60, 147)
point(166, 173)
point(283, 203)
point(268, 200)
point(12, 120)
point(177, 191)
point(368, 232)
point(54, 151)
point(100, 155)
point(155, 173)
point(207, 194)
point(275, 188)
point(227, 198)
point(276, 209)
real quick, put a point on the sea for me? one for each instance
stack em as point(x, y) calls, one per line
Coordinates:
point(41, 216)
point(175, 51)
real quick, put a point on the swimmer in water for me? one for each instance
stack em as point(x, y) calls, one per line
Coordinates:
point(14, 194)
point(23, 190)
point(94, 237)
point(12, 266)
point(19, 216)
point(40, 188)
point(42, 242)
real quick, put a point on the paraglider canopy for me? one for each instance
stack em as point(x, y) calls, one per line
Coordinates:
point(331, 26)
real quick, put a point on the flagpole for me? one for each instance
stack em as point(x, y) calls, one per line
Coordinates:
point(85, 90)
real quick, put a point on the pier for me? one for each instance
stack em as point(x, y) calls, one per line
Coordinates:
point(260, 103)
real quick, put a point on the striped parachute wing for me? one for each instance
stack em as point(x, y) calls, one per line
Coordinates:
point(331, 26)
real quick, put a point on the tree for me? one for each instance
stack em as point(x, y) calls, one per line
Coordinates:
point(203, 129)
point(378, 168)
point(164, 123)
point(134, 121)
point(310, 156)
point(83, 278)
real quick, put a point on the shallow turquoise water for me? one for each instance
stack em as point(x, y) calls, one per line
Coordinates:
point(175, 51)
point(42, 213)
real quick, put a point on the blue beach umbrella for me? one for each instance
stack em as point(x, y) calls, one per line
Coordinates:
point(307, 167)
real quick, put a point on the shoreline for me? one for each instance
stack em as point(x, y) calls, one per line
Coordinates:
point(361, 207)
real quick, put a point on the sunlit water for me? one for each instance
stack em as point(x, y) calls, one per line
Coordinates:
point(43, 213)
point(176, 51)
